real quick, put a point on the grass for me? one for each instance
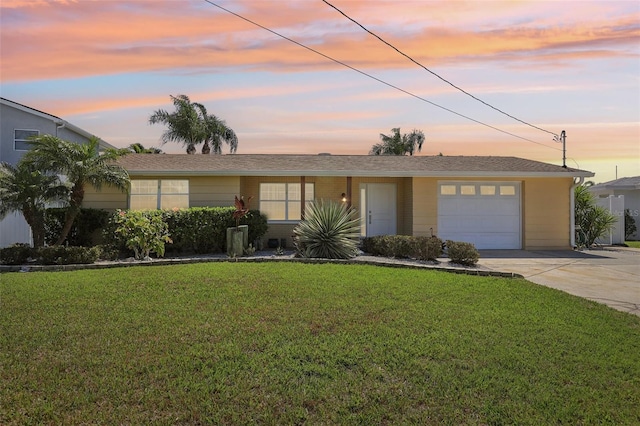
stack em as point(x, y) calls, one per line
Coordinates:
point(279, 343)
point(634, 244)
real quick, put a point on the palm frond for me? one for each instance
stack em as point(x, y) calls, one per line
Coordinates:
point(329, 230)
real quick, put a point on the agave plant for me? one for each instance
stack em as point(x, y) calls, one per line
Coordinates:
point(329, 230)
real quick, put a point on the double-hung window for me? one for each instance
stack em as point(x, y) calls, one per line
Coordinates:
point(150, 194)
point(282, 201)
point(21, 139)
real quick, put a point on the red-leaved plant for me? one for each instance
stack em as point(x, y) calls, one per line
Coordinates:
point(242, 209)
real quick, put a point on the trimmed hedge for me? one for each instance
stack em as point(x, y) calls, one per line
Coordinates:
point(462, 253)
point(198, 229)
point(62, 255)
point(86, 230)
point(21, 254)
point(403, 246)
point(16, 254)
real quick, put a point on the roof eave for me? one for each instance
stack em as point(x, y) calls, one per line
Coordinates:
point(343, 173)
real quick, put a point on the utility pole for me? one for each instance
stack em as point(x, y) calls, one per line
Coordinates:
point(562, 138)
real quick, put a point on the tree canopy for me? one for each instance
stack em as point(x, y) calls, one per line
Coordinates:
point(138, 148)
point(397, 144)
point(81, 164)
point(28, 190)
point(191, 125)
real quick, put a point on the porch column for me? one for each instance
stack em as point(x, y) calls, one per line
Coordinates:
point(302, 196)
point(349, 192)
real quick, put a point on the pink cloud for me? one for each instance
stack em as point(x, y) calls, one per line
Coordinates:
point(74, 39)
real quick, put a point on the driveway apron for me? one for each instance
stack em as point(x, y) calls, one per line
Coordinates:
point(610, 275)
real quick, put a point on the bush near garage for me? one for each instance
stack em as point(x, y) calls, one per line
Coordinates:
point(462, 253)
point(403, 246)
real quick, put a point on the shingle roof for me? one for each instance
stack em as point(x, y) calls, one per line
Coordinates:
point(622, 183)
point(339, 165)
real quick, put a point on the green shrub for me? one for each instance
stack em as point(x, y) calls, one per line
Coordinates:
point(329, 230)
point(403, 246)
point(195, 230)
point(86, 230)
point(199, 229)
point(462, 253)
point(629, 224)
point(17, 254)
point(428, 248)
point(63, 255)
point(380, 245)
point(144, 232)
point(257, 223)
point(108, 252)
point(592, 220)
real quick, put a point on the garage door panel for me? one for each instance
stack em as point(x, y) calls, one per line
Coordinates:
point(450, 204)
point(490, 219)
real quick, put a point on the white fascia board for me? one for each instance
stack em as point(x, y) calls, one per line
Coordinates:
point(325, 173)
point(53, 118)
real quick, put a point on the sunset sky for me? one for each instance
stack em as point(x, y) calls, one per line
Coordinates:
point(106, 65)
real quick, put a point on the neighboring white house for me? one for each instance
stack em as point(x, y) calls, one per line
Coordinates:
point(17, 124)
point(629, 187)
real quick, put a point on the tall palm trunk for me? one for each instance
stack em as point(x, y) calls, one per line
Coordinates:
point(77, 195)
point(36, 222)
point(206, 148)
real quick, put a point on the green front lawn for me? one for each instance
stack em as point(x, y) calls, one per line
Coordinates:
point(634, 244)
point(280, 343)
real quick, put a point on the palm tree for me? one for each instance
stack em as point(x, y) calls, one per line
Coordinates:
point(27, 189)
point(138, 148)
point(397, 144)
point(185, 124)
point(216, 133)
point(82, 164)
point(594, 221)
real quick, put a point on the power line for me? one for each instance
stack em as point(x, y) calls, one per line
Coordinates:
point(433, 73)
point(371, 76)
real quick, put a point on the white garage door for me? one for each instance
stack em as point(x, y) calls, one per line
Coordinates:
point(486, 214)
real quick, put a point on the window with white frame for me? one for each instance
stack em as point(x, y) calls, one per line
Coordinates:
point(21, 139)
point(282, 201)
point(151, 194)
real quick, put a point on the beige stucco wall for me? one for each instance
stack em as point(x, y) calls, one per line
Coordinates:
point(545, 209)
point(204, 191)
point(108, 198)
point(213, 191)
point(547, 219)
point(425, 206)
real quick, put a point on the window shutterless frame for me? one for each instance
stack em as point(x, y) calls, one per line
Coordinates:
point(21, 139)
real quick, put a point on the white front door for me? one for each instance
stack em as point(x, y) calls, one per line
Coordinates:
point(379, 209)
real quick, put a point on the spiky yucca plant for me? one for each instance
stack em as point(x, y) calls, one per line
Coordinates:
point(329, 230)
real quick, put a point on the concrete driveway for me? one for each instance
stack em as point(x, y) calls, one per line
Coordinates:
point(609, 275)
